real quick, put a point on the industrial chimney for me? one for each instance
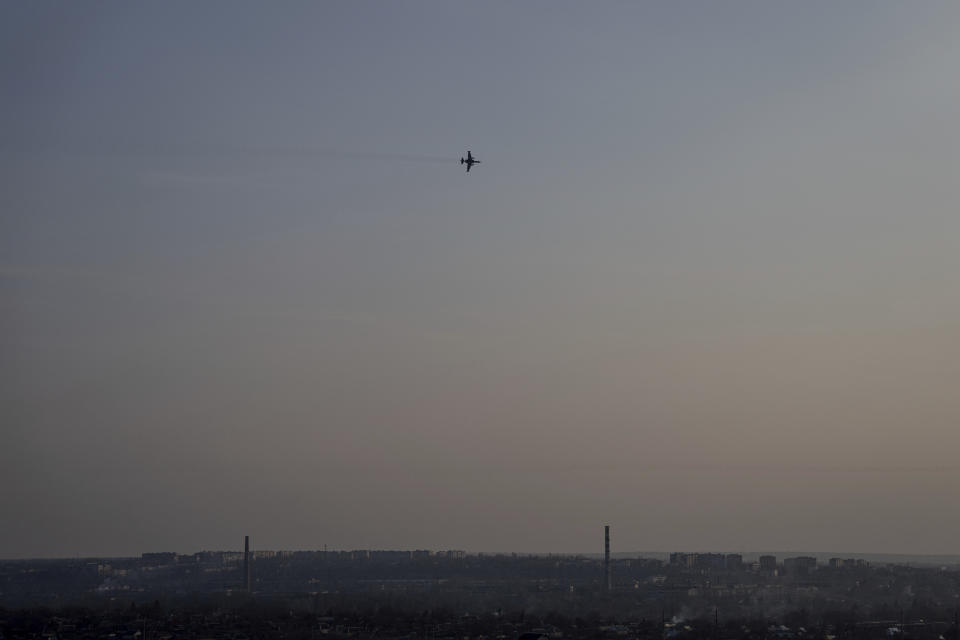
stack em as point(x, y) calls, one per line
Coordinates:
point(246, 562)
point(606, 556)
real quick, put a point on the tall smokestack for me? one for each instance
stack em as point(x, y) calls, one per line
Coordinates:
point(606, 556)
point(246, 562)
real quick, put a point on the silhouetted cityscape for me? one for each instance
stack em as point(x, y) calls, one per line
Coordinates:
point(455, 594)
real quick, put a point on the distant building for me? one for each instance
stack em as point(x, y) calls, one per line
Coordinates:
point(158, 559)
point(389, 556)
point(768, 563)
point(699, 560)
point(848, 563)
point(733, 562)
point(711, 561)
point(801, 565)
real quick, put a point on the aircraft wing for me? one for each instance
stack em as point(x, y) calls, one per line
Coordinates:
point(469, 155)
point(468, 167)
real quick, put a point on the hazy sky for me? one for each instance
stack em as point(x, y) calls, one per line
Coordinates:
point(703, 287)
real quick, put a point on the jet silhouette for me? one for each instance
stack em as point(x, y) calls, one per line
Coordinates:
point(469, 160)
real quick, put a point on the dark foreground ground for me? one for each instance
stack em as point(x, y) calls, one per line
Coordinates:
point(239, 621)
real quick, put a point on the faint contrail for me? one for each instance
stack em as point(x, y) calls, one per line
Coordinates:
point(362, 155)
point(168, 150)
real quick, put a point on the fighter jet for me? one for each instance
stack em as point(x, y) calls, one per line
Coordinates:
point(469, 161)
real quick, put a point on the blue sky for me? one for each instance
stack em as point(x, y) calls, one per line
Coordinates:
point(701, 287)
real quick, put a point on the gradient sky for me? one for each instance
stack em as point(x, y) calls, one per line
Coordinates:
point(702, 288)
